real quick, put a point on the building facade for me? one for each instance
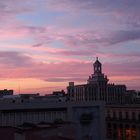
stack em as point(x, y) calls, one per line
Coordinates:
point(123, 122)
point(6, 92)
point(97, 88)
point(89, 117)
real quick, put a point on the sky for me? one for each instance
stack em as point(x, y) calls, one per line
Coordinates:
point(44, 44)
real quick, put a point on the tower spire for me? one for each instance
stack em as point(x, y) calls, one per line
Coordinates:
point(97, 77)
point(97, 66)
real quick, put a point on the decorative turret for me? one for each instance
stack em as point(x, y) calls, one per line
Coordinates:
point(97, 77)
point(97, 66)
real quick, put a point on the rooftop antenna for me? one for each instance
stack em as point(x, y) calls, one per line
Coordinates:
point(96, 58)
point(19, 87)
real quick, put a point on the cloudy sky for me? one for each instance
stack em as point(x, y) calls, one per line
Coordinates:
point(44, 44)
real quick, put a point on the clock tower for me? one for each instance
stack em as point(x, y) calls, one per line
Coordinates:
point(97, 77)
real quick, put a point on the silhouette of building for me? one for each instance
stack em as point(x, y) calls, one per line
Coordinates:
point(83, 106)
point(46, 131)
point(88, 117)
point(97, 88)
point(123, 122)
point(6, 92)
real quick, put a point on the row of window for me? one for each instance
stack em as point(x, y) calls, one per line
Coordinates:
point(124, 115)
point(121, 132)
point(20, 117)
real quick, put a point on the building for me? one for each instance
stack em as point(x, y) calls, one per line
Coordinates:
point(89, 117)
point(123, 122)
point(122, 105)
point(60, 96)
point(97, 88)
point(61, 131)
point(59, 93)
point(6, 92)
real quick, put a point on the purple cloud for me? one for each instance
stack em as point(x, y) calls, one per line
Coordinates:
point(120, 36)
point(123, 68)
point(84, 39)
point(80, 30)
point(66, 79)
point(124, 11)
point(14, 59)
point(37, 45)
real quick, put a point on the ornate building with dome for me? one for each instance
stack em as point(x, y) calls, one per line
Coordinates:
point(97, 88)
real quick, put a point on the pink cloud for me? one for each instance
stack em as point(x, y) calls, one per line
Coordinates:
point(123, 68)
point(80, 43)
point(81, 39)
point(16, 65)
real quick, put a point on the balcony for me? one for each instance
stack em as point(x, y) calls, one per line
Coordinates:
point(123, 120)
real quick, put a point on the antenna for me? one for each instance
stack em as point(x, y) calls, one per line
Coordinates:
point(96, 58)
point(19, 87)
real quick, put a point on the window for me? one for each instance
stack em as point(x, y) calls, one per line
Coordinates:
point(133, 116)
point(139, 117)
point(120, 115)
point(108, 114)
point(114, 115)
point(126, 115)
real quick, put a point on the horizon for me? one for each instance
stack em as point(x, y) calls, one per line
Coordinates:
point(45, 44)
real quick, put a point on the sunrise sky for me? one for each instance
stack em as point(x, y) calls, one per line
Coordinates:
point(44, 44)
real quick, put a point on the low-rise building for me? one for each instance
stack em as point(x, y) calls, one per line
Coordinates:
point(87, 116)
point(61, 131)
point(6, 92)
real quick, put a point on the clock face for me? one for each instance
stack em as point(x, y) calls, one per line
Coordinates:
point(96, 68)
